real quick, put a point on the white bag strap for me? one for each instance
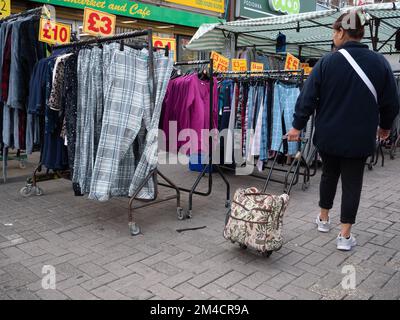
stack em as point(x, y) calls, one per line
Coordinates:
point(360, 72)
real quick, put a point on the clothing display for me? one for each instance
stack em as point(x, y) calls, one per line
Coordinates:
point(97, 100)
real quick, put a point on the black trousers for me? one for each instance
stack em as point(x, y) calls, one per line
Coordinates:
point(351, 172)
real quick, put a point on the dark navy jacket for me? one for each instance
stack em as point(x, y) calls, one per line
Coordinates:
point(347, 115)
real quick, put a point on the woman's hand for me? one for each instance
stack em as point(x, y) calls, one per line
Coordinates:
point(383, 134)
point(293, 135)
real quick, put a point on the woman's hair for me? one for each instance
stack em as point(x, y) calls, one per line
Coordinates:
point(351, 24)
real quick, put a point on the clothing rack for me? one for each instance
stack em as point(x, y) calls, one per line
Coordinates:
point(299, 160)
point(32, 182)
point(209, 167)
point(23, 14)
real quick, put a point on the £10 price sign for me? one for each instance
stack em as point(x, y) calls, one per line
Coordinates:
point(257, 67)
point(98, 23)
point(292, 63)
point(54, 33)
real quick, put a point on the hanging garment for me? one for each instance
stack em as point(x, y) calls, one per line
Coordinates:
point(126, 107)
point(285, 97)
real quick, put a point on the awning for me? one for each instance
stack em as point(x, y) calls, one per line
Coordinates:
point(307, 33)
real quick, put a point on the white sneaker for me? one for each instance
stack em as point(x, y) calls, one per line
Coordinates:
point(323, 226)
point(345, 244)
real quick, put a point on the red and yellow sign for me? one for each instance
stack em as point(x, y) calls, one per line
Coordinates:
point(5, 8)
point(292, 63)
point(239, 65)
point(307, 70)
point(221, 64)
point(54, 33)
point(257, 67)
point(163, 42)
point(210, 5)
point(98, 23)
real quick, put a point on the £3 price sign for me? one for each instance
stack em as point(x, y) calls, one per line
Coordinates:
point(5, 8)
point(54, 33)
point(292, 63)
point(98, 23)
point(239, 65)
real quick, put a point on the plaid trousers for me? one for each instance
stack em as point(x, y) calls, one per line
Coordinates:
point(149, 157)
point(90, 111)
point(285, 97)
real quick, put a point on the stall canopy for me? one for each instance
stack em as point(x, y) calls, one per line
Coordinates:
point(307, 34)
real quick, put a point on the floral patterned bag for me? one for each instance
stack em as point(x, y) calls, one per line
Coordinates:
point(255, 220)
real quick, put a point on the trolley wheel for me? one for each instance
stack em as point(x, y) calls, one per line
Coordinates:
point(189, 214)
point(267, 254)
point(26, 191)
point(227, 203)
point(305, 186)
point(38, 191)
point(233, 241)
point(243, 246)
point(370, 167)
point(134, 229)
point(22, 164)
point(180, 214)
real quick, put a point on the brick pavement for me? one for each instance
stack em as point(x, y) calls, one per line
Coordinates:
point(95, 257)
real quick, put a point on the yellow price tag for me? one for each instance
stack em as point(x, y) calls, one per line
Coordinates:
point(257, 67)
point(98, 23)
point(5, 8)
point(220, 63)
point(163, 42)
point(292, 63)
point(239, 65)
point(54, 33)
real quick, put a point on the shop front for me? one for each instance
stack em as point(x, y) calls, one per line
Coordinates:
point(172, 21)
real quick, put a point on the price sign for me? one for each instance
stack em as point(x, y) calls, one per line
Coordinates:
point(5, 8)
point(239, 65)
point(221, 63)
point(292, 63)
point(163, 42)
point(98, 23)
point(257, 67)
point(54, 33)
point(307, 70)
point(304, 65)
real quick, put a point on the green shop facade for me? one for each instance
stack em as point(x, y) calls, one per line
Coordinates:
point(170, 20)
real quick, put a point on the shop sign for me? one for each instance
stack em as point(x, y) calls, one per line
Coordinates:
point(133, 9)
point(257, 67)
point(54, 33)
point(292, 63)
point(5, 8)
point(285, 6)
point(220, 63)
point(252, 9)
point(307, 70)
point(210, 5)
point(163, 42)
point(98, 23)
point(239, 65)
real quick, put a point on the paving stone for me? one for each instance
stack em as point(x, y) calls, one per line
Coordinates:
point(106, 293)
point(164, 292)
point(246, 293)
point(78, 293)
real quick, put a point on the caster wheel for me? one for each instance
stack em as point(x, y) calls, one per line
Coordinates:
point(243, 246)
point(370, 167)
point(26, 191)
point(267, 254)
point(233, 241)
point(38, 191)
point(180, 214)
point(227, 203)
point(189, 214)
point(22, 165)
point(134, 229)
